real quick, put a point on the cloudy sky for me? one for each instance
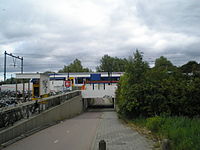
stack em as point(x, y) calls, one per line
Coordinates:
point(50, 33)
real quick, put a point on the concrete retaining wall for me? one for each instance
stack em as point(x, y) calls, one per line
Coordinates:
point(63, 111)
point(99, 90)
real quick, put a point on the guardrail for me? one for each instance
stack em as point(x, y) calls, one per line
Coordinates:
point(10, 115)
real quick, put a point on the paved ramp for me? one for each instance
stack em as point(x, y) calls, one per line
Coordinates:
point(73, 134)
point(84, 133)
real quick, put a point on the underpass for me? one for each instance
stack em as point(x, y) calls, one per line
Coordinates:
point(81, 122)
point(100, 103)
point(84, 133)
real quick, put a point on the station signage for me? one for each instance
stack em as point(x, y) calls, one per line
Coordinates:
point(67, 84)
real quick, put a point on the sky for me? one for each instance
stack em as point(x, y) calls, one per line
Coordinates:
point(49, 34)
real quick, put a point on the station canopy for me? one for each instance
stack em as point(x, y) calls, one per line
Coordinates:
point(30, 75)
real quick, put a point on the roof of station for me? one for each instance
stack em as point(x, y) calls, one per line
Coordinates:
point(30, 75)
point(38, 75)
point(85, 73)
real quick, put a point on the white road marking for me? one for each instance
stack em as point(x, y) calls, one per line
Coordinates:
point(56, 141)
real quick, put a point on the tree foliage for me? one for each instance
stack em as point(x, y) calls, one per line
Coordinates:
point(190, 67)
point(13, 81)
point(76, 66)
point(144, 91)
point(136, 68)
point(8, 81)
point(111, 64)
point(163, 64)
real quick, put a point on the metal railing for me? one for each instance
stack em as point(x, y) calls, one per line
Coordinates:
point(10, 115)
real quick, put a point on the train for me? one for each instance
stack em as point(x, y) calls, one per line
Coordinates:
point(42, 84)
point(81, 78)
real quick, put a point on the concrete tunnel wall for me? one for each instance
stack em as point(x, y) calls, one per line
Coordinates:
point(63, 111)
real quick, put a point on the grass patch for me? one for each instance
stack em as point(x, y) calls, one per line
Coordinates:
point(184, 133)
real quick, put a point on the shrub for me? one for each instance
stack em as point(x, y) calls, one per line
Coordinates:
point(183, 132)
point(154, 123)
point(154, 91)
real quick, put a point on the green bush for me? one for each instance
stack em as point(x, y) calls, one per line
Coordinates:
point(148, 92)
point(183, 132)
point(154, 123)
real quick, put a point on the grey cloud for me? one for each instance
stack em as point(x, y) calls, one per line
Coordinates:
point(169, 15)
point(49, 39)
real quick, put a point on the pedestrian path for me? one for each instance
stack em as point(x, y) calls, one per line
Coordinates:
point(119, 136)
point(84, 133)
point(72, 134)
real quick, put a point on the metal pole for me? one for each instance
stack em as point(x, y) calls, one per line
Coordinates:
point(102, 145)
point(108, 77)
point(111, 72)
point(17, 57)
point(23, 90)
point(16, 90)
point(22, 64)
point(68, 73)
point(5, 66)
point(28, 90)
point(111, 77)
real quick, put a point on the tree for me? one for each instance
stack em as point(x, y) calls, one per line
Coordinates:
point(130, 90)
point(190, 67)
point(163, 63)
point(136, 68)
point(111, 64)
point(76, 66)
point(8, 81)
point(146, 92)
point(13, 81)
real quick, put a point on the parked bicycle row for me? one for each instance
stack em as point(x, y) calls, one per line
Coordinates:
point(9, 98)
point(10, 115)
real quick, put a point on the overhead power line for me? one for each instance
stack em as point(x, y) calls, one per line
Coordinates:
point(14, 61)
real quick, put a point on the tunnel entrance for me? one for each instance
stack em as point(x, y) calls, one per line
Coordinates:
point(105, 102)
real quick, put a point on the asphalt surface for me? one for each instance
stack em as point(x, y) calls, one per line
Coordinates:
point(72, 134)
point(84, 133)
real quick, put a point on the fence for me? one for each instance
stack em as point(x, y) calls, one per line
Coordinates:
point(10, 115)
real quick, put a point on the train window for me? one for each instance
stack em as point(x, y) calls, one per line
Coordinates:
point(79, 80)
point(87, 79)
